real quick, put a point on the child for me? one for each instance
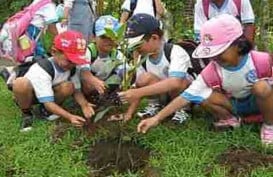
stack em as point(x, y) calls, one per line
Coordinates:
point(242, 9)
point(38, 86)
point(79, 15)
point(159, 74)
point(44, 18)
point(242, 90)
point(102, 53)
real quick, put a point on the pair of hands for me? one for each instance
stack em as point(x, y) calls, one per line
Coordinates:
point(88, 112)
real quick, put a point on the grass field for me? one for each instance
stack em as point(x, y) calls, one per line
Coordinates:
point(189, 150)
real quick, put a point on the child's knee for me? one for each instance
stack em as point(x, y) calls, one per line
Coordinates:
point(146, 79)
point(65, 88)
point(21, 85)
point(261, 89)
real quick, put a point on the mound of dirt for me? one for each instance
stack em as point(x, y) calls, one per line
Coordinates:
point(109, 156)
point(241, 161)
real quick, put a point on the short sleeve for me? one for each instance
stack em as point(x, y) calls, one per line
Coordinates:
point(197, 92)
point(247, 15)
point(41, 82)
point(180, 62)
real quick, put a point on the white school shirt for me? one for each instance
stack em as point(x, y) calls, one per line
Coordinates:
point(42, 82)
point(142, 6)
point(45, 15)
point(162, 68)
point(228, 7)
point(236, 81)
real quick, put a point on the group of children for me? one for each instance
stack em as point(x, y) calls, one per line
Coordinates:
point(236, 83)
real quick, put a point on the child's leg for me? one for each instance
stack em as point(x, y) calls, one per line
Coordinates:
point(62, 91)
point(219, 105)
point(264, 96)
point(23, 92)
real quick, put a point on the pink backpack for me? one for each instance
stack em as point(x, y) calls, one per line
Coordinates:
point(14, 43)
point(206, 7)
point(261, 62)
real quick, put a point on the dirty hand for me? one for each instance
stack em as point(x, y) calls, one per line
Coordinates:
point(88, 110)
point(99, 85)
point(128, 96)
point(77, 120)
point(146, 124)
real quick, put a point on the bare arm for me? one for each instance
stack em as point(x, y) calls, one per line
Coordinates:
point(249, 32)
point(160, 87)
point(159, 8)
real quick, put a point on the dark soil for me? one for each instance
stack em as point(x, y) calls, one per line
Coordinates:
point(109, 156)
point(241, 161)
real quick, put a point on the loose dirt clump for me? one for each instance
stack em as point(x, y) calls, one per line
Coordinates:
point(111, 156)
point(241, 161)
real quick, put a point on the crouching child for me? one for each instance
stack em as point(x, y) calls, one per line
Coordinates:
point(234, 85)
point(50, 82)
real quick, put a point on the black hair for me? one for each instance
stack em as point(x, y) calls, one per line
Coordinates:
point(244, 45)
point(158, 32)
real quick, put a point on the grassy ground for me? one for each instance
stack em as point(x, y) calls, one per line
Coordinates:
point(189, 150)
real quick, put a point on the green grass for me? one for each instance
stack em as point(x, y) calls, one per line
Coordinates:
point(178, 151)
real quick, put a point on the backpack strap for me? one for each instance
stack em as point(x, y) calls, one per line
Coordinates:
point(93, 50)
point(211, 76)
point(206, 7)
point(47, 66)
point(154, 7)
point(238, 5)
point(205, 4)
point(133, 4)
point(167, 50)
point(261, 61)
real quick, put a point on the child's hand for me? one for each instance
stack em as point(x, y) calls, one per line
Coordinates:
point(77, 120)
point(128, 96)
point(99, 85)
point(88, 110)
point(146, 124)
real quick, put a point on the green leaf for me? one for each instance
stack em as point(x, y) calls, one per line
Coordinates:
point(101, 114)
point(110, 33)
point(120, 32)
point(113, 80)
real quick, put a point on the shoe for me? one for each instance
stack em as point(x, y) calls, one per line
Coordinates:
point(267, 134)
point(149, 111)
point(180, 116)
point(26, 124)
point(230, 123)
point(4, 73)
point(47, 115)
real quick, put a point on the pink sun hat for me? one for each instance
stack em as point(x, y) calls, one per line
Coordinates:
point(217, 34)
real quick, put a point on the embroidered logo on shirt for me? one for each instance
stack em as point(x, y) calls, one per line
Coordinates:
point(251, 76)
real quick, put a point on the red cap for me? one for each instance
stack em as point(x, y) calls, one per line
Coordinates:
point(73, 45)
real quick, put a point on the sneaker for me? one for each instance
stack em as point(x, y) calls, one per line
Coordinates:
point(267, 134)
point(26, 124)
point(230, 123)
point(4, 73)
point(47, 115)
point(180, 116)
point(150, 110)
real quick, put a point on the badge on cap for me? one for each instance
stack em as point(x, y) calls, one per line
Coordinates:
point(207, 39)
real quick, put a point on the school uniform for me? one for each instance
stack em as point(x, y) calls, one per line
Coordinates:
point(43, 83)
point(237, 83)
point(142, 6)
point(44, 16)
point(229, 7)
point(162, 68)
